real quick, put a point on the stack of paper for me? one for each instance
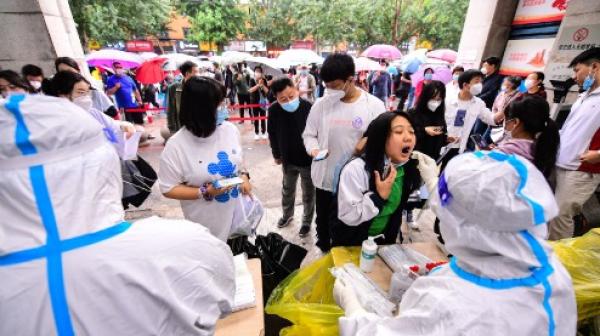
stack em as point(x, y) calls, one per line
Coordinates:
point(245, 296)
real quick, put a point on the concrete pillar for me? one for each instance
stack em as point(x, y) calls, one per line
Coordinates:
point(486, 30)
point(36, 32)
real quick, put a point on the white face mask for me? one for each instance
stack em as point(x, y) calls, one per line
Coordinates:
point(337, 94)
point(484, 70)
point(35, 84)
point(529, 83)
point(120, 72)
point(476, 89)
point(432, 105)
point(257, 75)
point(85, 102)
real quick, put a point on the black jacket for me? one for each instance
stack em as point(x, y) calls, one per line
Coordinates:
point(285, 134)
point(491, 87)
point(427, 144)
point(345, 235)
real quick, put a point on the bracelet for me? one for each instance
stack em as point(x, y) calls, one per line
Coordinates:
point(203, 191)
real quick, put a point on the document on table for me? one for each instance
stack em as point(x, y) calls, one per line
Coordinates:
point(245, 296)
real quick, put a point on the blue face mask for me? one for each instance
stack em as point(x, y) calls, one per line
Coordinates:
point(222, 114)
point(291, 106)
point(455, 77)
point(588, 82)
point(428, 76)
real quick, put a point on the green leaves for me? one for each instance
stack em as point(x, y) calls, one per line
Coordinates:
point(215, 21)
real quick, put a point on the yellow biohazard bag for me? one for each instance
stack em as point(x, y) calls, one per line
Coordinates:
point(305, 297)
point(581, 258)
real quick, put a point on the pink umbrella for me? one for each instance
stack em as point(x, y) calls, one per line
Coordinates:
point(440, 72)
point(443, 54)
point(106, 57)
point(382, 51)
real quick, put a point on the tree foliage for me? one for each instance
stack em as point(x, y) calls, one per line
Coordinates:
point(113, 20)
point(216, 21)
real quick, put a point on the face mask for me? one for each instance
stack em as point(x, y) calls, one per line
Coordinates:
point(432, 105)
point(304, 72)
point(484, 70)
point(337, 94)
point(257, 75)
point(455, 77)
point(120, 72)
point(476, 89)
point(36, 84)
point(529, 83)
point(428, 76)
point(85, 102)
point(588, 82)
point(291, 106)
point(222, 114)
point(503, 89)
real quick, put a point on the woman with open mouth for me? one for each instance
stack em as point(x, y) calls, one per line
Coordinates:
point(374, 186)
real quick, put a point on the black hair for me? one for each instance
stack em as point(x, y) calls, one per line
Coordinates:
point(258, 67)
point(63, 83)
point(458, 68)
point(280, 84)
point(429, 91)
point(515, 81)
point(116, 63)
point(378, 132)
point(406, 75)
point(586, 57)
point(186, 67)
point(534, 113)
point(540, 76)
point(428, 69)
point(337, 66)
point(493, 60)
point(14, 79)
point(200, 98)
point(66, 61)
point(467, 76)
point(31, 70)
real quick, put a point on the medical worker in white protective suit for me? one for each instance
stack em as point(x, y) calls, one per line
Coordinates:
point(504, 279)
point(69, 264)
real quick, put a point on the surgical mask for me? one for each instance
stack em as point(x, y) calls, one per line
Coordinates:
point(455, 77)
point(432, 105)
point(85, 102)
point(222, 114)
point(503, 88)
point(35, 84)
point(484, 70)
point(120, 72)
point(257, 74)
point(291, 106)
point(476, 89)
point(529, 83)
point(337, 94)
point(428, 76)
point(304, 72)
point(588, 82)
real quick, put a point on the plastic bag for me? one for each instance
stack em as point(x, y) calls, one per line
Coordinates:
point(247, 215)
point(305, 298)
point(581, 258)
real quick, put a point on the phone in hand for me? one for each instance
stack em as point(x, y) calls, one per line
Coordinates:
point(478, 141)
point(386, 171)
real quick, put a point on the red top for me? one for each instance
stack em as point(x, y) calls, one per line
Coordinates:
point(594, 145)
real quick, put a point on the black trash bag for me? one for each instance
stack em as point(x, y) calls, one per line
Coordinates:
point(138, 179)
point(240, 245)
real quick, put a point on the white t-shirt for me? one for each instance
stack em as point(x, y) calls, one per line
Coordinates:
point(190, 160)
point(461, 116)
point(303, 86)
point(337, 127)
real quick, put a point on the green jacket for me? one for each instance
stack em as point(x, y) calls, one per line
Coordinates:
point(173, 104)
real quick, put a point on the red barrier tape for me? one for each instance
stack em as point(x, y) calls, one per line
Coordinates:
point(250, 118)
point(145, 109)
point(238, 106)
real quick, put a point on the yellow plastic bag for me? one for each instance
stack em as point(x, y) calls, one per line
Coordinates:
point(581, 258)
point(305, 298)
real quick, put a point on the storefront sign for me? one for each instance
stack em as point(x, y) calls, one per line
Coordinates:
point(302, 45)
point(539, 11)
point(235, 46)
point(571, 42)
point(206, 46)
point(522, 57)
point(250, 46)
point(187, 46)
point(94, 45)
point(139, 46)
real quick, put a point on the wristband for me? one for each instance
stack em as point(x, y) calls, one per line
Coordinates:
point(203, 192)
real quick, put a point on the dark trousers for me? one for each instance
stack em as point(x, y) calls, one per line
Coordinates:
point(288, 197)
point(324, 200)
point(259, 112)
point(449, 156)
point(134, 117)
point(243, 99)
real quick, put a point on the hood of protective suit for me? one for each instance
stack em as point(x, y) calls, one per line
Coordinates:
point(37, 145)
point(493, 209)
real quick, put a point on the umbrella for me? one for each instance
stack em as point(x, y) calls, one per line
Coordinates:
point(106, 57)
point(148, 55)
point(392, 70)
point(366, 64)
point(411, 62)
point(151, 72)
point(382, 51)
point(270, 66)
point(440, 72)
point(175, 60)
point(443, 54)
point(216, 59)
point(299, 56)
point(230, 57)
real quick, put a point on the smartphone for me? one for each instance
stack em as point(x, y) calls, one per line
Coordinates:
point(387, 168)
point(459, 121)
point(478, 141)
point(322, 155)
point(228, 182)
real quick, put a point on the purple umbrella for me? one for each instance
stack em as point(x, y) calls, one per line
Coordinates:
point(443, 54)
point(382, 51)
point(440, 72)
point(106, 57)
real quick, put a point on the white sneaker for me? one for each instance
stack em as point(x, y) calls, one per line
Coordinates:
point(256, 137)
point(264, 136)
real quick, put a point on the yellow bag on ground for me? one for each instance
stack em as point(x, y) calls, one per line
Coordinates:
point(581, 258)
point(305, 297)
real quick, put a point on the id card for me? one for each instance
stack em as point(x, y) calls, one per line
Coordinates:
point(459, 121)
point(228, 182)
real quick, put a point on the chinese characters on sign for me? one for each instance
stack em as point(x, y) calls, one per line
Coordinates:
point(571, 42)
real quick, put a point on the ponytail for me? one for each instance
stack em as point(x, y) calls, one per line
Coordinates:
point(546, 148)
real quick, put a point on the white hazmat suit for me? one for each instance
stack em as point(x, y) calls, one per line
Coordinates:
point(69, 264)
point(504, 279)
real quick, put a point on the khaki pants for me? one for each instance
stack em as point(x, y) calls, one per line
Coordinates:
point(573, 189)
